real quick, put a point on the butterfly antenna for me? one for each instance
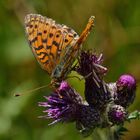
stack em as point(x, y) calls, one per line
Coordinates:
point(32, 90)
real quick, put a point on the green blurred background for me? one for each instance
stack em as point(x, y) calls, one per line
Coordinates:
point(116, 34)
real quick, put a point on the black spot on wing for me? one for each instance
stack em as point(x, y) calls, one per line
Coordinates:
point(33, 40)
point(44, 40)
point(66, 40)
point(40, 53)
point(44, 55)
point(39, 47)
point(50, 35)
point(39, 34)
point(48, 47)
point(57, 35)
point(45, 31)
point(46, 62)
point(55, 43)
point(51, 54)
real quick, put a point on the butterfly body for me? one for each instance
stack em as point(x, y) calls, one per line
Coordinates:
point(54, 46)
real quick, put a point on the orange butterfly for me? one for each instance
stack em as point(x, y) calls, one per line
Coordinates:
point(55, 46)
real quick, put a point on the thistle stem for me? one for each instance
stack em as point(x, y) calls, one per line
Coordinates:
point(105, 134)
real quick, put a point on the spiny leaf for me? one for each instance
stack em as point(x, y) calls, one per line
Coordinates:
point(133, 115)
point(120, 131)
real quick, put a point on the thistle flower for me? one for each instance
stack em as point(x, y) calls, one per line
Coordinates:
point(106, 103)
point(66, 105)
point(96, 90)
point(63, 104)
point(117, 114)
point(123, 91)
point(88, 62)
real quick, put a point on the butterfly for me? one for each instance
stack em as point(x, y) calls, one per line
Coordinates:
point(55, 46)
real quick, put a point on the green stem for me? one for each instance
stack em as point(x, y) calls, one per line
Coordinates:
point(105, 134)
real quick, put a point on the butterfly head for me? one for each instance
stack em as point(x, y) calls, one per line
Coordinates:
point(55, 83)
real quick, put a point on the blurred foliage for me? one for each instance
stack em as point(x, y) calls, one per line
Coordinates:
point(116, 34)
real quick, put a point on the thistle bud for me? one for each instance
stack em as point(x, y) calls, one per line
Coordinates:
point(117, 114)
point(125, 90)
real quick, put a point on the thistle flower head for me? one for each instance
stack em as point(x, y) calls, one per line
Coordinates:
point(96, 91)
point(126, 81)
point(62, 105)
point(125, 93)
point(117, 114)
point(89, 61)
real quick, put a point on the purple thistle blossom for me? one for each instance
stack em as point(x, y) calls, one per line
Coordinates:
point(66, 105)
point(62, 105)
point(117, 114)
point(88, 62)
point(123, 91)
point(96, 90)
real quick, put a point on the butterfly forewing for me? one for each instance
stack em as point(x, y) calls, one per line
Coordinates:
point(34, 27)
point(48, 40)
